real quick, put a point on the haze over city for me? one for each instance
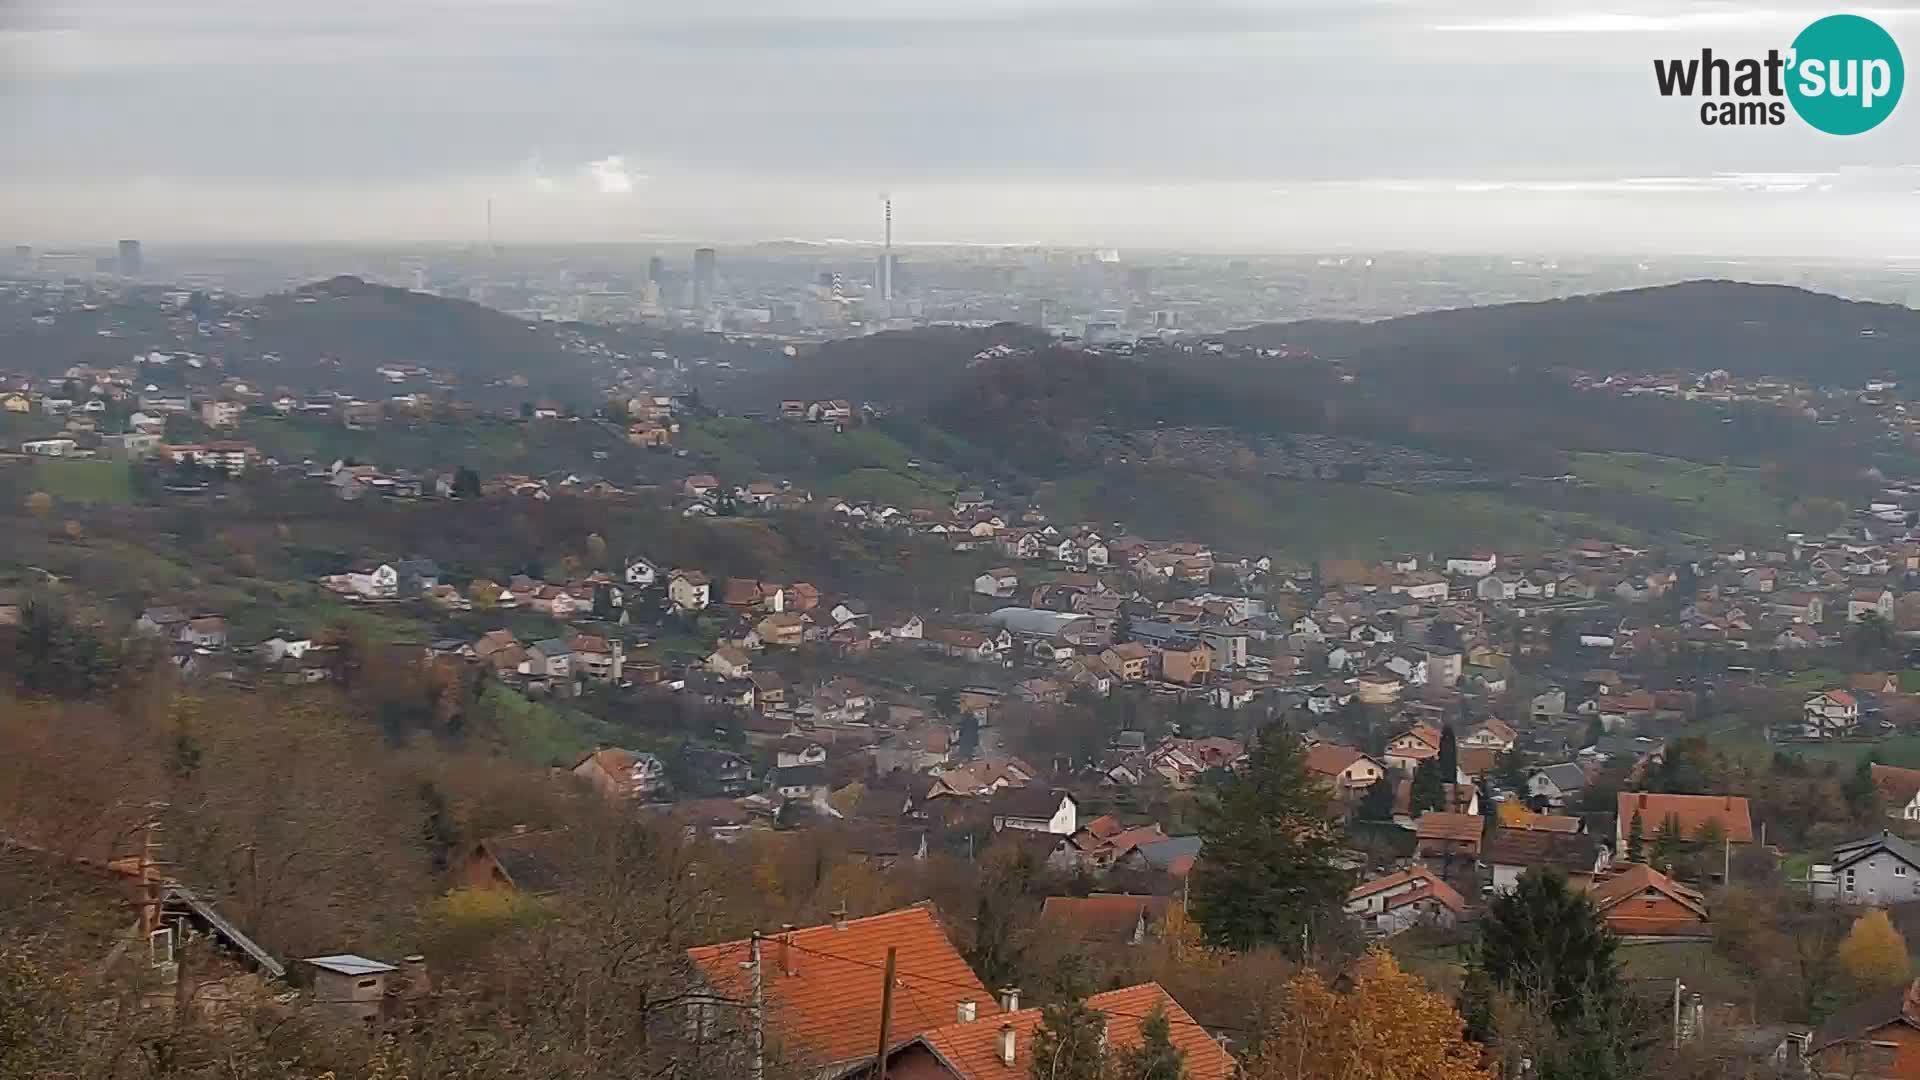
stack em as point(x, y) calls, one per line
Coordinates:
point(1280, 125)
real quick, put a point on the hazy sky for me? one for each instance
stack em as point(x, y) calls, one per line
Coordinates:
point(1256, 124)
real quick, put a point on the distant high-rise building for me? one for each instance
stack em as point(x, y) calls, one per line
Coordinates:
point(886, 256)
point(1139, 280)
point(656, 269)
point(23, 256)
point(130, 258)
point(704, 263)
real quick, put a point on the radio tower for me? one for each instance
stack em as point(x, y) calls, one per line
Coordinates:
point(886, 253)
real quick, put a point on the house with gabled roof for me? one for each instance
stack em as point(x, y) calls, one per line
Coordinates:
point(823, 992)
point(1899, 790)
point(1000, 1046)
point(1832, 714)
point(1415, 896)
point(1640, 903)
point(1689, 813)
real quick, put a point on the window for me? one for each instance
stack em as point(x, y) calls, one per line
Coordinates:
point(1900, 870)
point(160, 947)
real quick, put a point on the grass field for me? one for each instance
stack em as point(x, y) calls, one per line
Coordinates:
point(85, 481)
point(1902, 750)
point(1305, 519)
point(1708, 498)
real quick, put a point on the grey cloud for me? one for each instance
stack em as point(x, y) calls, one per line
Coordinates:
point(800, 114)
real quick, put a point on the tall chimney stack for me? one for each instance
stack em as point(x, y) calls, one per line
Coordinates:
point(1006, 1044)
point(786, 950)
point(1010, 998)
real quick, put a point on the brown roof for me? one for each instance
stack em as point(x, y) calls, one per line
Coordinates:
point(1434, 825)
point(1611, 899)
point(1328, 759)
point(1478, 760)
point(1102, 916)
point(1897, 785)
point(1692, 811)
point(970, 1051)
point(830, 1005)
point(1570, 852)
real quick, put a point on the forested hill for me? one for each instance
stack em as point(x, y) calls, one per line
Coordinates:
point(895, 368)
point(1695, 326)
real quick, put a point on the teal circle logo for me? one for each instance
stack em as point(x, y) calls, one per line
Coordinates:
point(1846, 75)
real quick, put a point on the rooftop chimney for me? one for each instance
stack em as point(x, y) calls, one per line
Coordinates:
point(786, 949)
point(1010, 998)
point(1006, 1044)
point(966, 1012)
point(840, 917)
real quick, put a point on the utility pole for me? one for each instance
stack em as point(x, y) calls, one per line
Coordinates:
point(886, 1018)
point(758, 1012)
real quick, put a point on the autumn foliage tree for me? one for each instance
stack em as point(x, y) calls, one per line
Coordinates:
point(1874, 954)
point(1387, 1023)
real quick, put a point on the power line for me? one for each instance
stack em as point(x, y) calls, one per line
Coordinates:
point(903, 976)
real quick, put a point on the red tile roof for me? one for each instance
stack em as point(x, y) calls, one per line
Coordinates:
point(1692, 811)
point(1426, 883)
point(1623, 900)
point(971, 1051)
point(829, 1007)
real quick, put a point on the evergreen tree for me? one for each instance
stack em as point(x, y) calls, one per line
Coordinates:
point(1269, 873)
point(466, 483)
point(1861, 793)
point(1156, 1058)
point(1595, 730)
point(1377, 803)
point(1069, 1043)
point(1449, 755)
point(1637, 840)
point(1546, 946)
point(1669, 840)
point(1429, 790)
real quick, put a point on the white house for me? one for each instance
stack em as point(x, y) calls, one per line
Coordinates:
point(689, 590)
point(374, 582)
point(1864, 602)
point(1000, 582)
point(1425, 587)
point(1415, 896)
point(1477, 565)
point(640, 573)
point(1831, 715)
point(1557, 784)
point(1035, 809)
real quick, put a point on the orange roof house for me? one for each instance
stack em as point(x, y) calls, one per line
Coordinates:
point(1878, 1037)
point(1691, 811)
point(1001, 1047)
point(1449, 834)
point(1643, 902)
point(823, 984)
point(1899, 789)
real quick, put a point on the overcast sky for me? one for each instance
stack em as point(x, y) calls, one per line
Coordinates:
point(1242, 124)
